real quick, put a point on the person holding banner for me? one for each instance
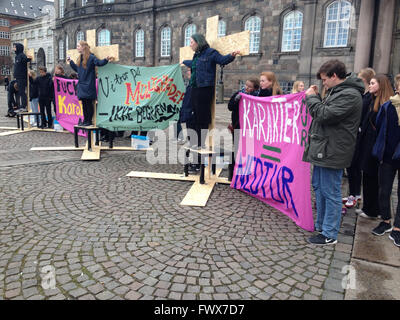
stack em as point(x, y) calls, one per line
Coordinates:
point(269, 85)
point(331, 143)
point(202, 81)
point(298, 86)
point(85, 66)
point(46, 96)
point(251, 88)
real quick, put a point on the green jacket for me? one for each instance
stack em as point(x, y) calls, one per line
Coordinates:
point(336, 119)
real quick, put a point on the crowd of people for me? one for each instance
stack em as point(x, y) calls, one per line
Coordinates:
point(355, 126)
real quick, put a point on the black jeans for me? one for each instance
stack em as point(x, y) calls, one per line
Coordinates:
point(88, 110)
point(21, 93)
point(45, 106)
point(354, 176)
point(387, 173)
point(370, 194)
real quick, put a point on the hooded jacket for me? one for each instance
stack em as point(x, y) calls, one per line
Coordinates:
point(336, 118)
point(46, 86)
point(20, 65)
point(387, 145)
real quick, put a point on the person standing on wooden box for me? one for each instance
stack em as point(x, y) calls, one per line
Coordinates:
point(203, 70)
point(86, 69)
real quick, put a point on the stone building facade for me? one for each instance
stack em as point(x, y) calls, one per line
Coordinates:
point(39, 34)
point(290, 38)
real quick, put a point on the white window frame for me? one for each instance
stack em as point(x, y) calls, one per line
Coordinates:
point(221, 28)
point(291, 30)
point(338, 23)
point(80, 36)
point(61, 52)
point(5, 51)
point(190, 30)
point(253, 24)
point(166, 42)
point(139, 43)
point(104, 38)
point(61, 8)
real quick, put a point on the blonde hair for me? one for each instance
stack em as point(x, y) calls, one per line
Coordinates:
point(296, 85)
point(367, 74)
point(276, 88)
point(59, 67)
point(397, 82)
point(385, 91)
point(85, 55)
point(32, 74)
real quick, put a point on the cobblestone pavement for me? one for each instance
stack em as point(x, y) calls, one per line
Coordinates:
point(107, 236)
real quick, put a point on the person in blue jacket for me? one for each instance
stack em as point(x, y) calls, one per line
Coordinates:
point(86, 69)
point(203, 70)
point(387, 151)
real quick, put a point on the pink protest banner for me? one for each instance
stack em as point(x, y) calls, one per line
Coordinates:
point(68, 107)
point(269, 162)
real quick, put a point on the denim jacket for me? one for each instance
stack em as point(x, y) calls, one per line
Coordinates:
point(206, 66)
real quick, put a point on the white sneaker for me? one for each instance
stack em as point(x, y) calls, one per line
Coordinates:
point(364, 215)
point(359, 211)
point(351, 202)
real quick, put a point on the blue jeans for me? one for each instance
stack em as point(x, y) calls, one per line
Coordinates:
point(34, 108)
point(327, 186)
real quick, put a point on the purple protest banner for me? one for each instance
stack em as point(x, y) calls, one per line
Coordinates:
point(68, 107)
point(269, 162)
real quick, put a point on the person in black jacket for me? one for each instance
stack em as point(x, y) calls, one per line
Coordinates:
point(380, 91)
point(252, 88)
point(46, 93)
point(21, 72)
point(269, 85)
point(6, 83)
point(12, 98)
point(354, 171)
point(33, 95)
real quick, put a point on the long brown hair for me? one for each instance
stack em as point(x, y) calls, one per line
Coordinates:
point(276, 88)
point(385, 91)
point(85, 55)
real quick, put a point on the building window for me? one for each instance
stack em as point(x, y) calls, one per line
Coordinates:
point(40, 33)
point(189, 31)
point(4, 35)
point(80, 36)
point(253, 24)
point(62, 7)
point(50, 55)
point(221, 28)
point(5, 70)
point(286, 86)
point(291, 34)
point(4, 23)
point(61, 50)
point(139, 42)
point(49, 32)
point(337, 24)
point(66, 42)
point(108, 1)
point(4, 50)
point(104, 38)
point(84, 2)
point(166, 42)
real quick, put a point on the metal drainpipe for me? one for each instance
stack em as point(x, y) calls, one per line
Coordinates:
point(374, 28)
point(312, 44)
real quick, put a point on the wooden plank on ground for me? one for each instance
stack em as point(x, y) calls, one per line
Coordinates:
point(9, 133)
point(160, 175)
point(70, 148)
point(92, 155)
point(198, 194)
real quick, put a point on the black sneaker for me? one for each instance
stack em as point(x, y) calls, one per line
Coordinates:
point(395, 236)
point(382, 229)
point(321, 240)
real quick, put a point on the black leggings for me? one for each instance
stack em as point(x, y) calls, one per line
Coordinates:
point(88, 110)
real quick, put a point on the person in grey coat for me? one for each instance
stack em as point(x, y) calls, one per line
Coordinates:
point(331, 143)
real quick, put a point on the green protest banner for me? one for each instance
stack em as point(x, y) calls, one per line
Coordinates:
point(138, 98)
